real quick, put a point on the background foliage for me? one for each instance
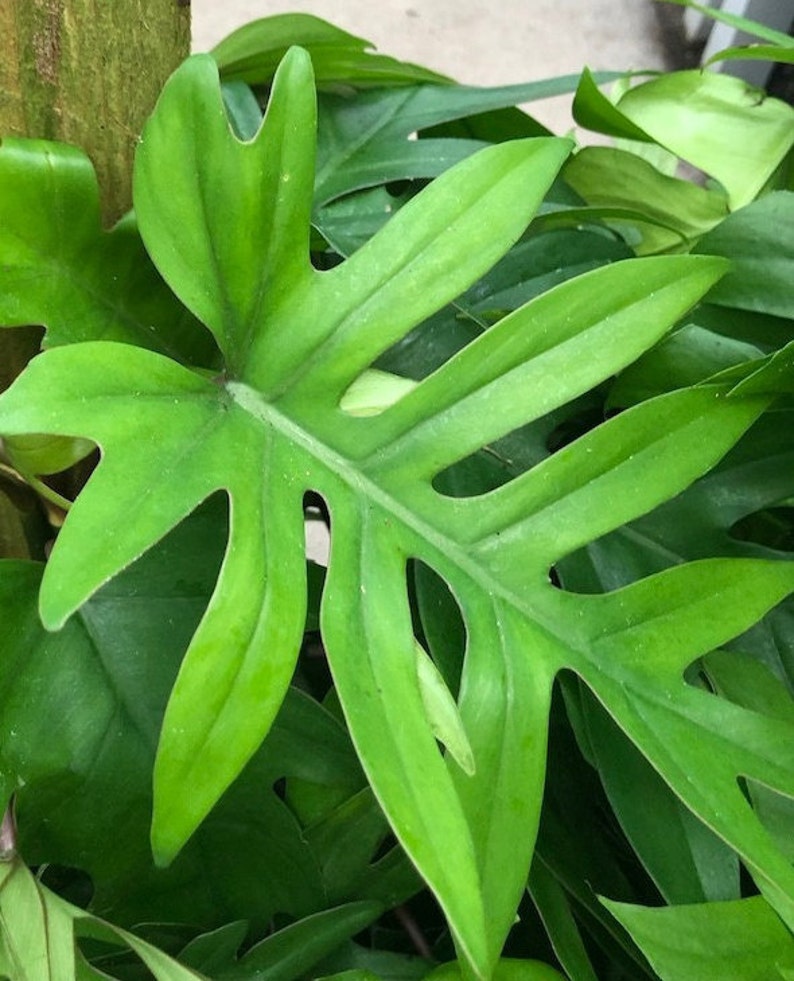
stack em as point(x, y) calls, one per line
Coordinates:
point(541, 395)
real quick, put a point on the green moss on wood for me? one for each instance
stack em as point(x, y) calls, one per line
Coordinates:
point(88, 72)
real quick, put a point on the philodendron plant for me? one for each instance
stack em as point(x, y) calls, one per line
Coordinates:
point(539, 397)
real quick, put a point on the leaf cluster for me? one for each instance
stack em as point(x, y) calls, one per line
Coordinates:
point(531, 717)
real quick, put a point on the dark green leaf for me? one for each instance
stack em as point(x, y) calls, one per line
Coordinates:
point(242, 109)
point(38, 931)
point(744, 24)
point(345, 840)
point(759, 241)
point(555, 911)
point(593, 110)
point(784, 54)
point(535, 264)
point(367, 140)
point(688, 863)
point(292, 952)
point(252, 54)
point(689, 356)
point(62, 271)
point(125, 649)
point(213, 951)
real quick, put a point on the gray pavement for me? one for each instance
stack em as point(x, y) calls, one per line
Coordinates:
point(478, 43)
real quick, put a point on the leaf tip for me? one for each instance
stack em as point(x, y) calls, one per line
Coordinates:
point(297, 65)
point(52, 612)
point(166, 845)
point(717, 264)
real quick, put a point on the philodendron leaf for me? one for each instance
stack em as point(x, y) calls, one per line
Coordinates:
point(87, 751)
point(609, 177)
point(718, 123)
point(61, 270)
point(371, 140)
point(38, 932)
point(292, 952)
point(743, 24)
point(742, 940)
point(755, 52)
point(555, 910)
point(252, 53)
point(373, 392)
point(759, 241)
point(211, 952)
point(227, 224)
point(442, 712)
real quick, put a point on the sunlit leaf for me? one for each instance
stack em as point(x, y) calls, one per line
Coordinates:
point(741, 940)
point(683, 212)
point(505, 970)
point(720, 124)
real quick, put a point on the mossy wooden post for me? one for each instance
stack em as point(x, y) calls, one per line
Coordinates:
point(86, 72)
point(89, 72)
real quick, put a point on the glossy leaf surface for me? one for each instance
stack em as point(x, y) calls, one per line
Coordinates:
point(759, 241)
point(88, 755)
point(292, 952)
point(741, 940)
point(38, 931)
point(227, 224)
point(506, 970)
point(371, 139)
point(718, 123)
point(61, 270)
point(682, 212)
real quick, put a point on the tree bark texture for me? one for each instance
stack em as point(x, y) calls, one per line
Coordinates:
point(89, 72)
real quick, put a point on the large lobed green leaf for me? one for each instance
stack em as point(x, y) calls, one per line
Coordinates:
point(227, 224)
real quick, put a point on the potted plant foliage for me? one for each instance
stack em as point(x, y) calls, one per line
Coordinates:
point(532, 716)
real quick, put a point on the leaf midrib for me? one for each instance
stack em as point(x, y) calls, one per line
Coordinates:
point(447, 549)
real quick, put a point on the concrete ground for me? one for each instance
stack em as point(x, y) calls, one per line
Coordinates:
point(478, 43)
